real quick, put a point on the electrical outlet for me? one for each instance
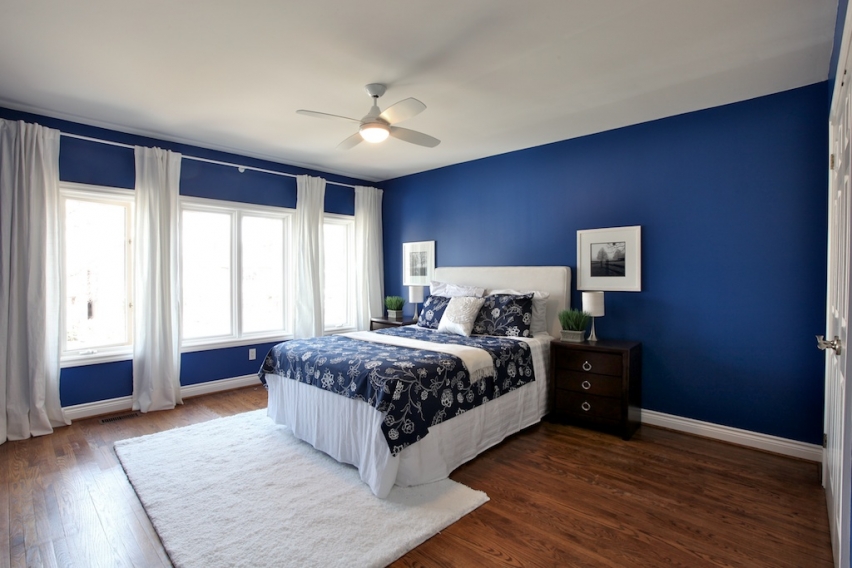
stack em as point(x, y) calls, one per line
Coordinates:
point(252, 354)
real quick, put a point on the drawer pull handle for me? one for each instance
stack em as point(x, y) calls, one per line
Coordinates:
point(587, 366)
point(586, 406)
point(586, 385)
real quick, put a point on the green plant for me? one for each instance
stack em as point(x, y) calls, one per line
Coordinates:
point(574, 320)
point(394, 302)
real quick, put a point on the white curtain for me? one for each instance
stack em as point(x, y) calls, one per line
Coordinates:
point(369, 260)
point(310, 201)
point(29, 281)
point(156, 340)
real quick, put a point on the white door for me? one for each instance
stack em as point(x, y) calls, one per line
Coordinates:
point(836, 457)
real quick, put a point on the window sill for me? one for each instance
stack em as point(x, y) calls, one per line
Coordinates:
point(94, 359)
point(337, 330)
point(210, 345)
point(107, 357)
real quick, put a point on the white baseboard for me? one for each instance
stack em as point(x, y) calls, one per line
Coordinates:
point(220, 385)
point(765, 442)
point(89, 409)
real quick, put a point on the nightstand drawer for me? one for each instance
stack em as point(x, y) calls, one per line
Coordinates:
point(589, 383)
point(592, 362)
point(588, 405)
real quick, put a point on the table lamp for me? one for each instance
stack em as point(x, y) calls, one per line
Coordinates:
point(415, 296)
point(593, 303)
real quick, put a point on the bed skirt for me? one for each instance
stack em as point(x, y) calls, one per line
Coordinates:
point(350, 430)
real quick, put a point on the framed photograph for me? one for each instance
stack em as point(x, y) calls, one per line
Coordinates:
point(610, 259)
point(418, 263)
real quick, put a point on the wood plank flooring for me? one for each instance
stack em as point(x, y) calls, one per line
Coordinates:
point(560, 496)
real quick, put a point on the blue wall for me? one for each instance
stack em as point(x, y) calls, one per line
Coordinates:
point(94, 163)
point(733, 204)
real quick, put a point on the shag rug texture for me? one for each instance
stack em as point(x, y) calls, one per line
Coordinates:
point(242, 491)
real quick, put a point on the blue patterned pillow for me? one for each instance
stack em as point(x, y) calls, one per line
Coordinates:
point(505, 315)
point(433, 311)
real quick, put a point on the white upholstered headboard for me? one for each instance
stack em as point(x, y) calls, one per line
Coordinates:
point(553, 279)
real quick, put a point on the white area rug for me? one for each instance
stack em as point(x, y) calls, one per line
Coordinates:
point(241, 491)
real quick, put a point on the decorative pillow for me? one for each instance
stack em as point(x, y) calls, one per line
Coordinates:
point(454, 290)
point(433, 309)
point(539, 310)
point(506, 315)
point(460, 314)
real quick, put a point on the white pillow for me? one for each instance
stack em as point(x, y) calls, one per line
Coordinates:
point(539, 309)
point(454, 290)
point(460, 315)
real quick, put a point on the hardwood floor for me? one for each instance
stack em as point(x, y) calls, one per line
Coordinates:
point(560, 496)
point(565, 496)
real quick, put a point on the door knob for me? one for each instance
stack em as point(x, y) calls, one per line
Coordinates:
point(822, 344)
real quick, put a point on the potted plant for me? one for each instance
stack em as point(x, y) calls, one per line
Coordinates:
point(394, 305)
point(574, 324)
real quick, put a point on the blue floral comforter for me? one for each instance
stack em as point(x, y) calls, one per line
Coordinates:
point(413, 388)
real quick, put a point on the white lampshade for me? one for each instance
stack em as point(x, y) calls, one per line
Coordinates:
point(415, 294)
point(593, 303)
point(374, 132)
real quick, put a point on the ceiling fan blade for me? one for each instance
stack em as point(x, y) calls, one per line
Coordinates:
point(327, 116)
point(414, 137)
point(403, 110)
point(350, 142)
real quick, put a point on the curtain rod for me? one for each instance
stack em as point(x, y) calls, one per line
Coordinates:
point(240, 167)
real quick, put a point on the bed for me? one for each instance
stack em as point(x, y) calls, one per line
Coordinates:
point(353, 431)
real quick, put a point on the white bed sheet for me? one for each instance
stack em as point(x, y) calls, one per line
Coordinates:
point(350, 430)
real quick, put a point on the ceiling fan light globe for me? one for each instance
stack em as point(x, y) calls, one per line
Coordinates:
point(374, 132)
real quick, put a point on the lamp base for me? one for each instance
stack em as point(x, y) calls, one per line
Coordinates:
point(592, 336)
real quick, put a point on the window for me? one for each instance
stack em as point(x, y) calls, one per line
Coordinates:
point(262, 273)
point(236, 277)
point(234, 272)
point(206, 273)
point(339, 275)
point(97, 273)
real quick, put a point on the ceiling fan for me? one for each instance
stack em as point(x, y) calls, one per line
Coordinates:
point(377, 125)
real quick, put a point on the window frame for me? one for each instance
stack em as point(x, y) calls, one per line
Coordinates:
point(126, 198)
point(111, 196)
point(236, 210)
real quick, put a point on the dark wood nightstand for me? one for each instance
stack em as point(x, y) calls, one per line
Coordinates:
point(379, 323)
point(597, 384)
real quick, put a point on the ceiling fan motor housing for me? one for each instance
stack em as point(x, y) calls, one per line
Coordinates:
point(375, 90)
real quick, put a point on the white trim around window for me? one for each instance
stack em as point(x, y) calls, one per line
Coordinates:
point(340, 273)
point(101, 195)
point(236, 212)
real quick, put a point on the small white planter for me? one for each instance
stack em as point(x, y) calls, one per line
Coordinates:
point(395, 314)
point(574, 336)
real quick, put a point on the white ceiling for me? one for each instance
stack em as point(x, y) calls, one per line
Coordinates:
point(496, 75)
